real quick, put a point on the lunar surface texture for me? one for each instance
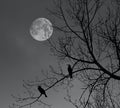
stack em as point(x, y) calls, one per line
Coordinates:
point(41, 29)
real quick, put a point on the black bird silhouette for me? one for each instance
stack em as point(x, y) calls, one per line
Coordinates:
point(70, 70)
point(42, 91)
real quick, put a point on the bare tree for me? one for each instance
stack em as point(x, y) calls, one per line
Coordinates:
point(89, 41)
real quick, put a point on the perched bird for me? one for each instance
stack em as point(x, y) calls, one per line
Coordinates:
point(70, 70)
point(42, 91)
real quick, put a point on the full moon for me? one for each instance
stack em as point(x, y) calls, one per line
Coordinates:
point(41, 29)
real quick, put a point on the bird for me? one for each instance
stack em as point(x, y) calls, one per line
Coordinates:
point(70, 70)
point(42, 91)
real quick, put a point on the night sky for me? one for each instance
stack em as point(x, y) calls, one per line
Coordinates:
point(21, 57)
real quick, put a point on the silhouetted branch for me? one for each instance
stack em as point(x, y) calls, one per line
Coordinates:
point(90, 44)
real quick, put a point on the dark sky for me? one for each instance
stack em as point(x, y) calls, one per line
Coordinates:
point(21, 57)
